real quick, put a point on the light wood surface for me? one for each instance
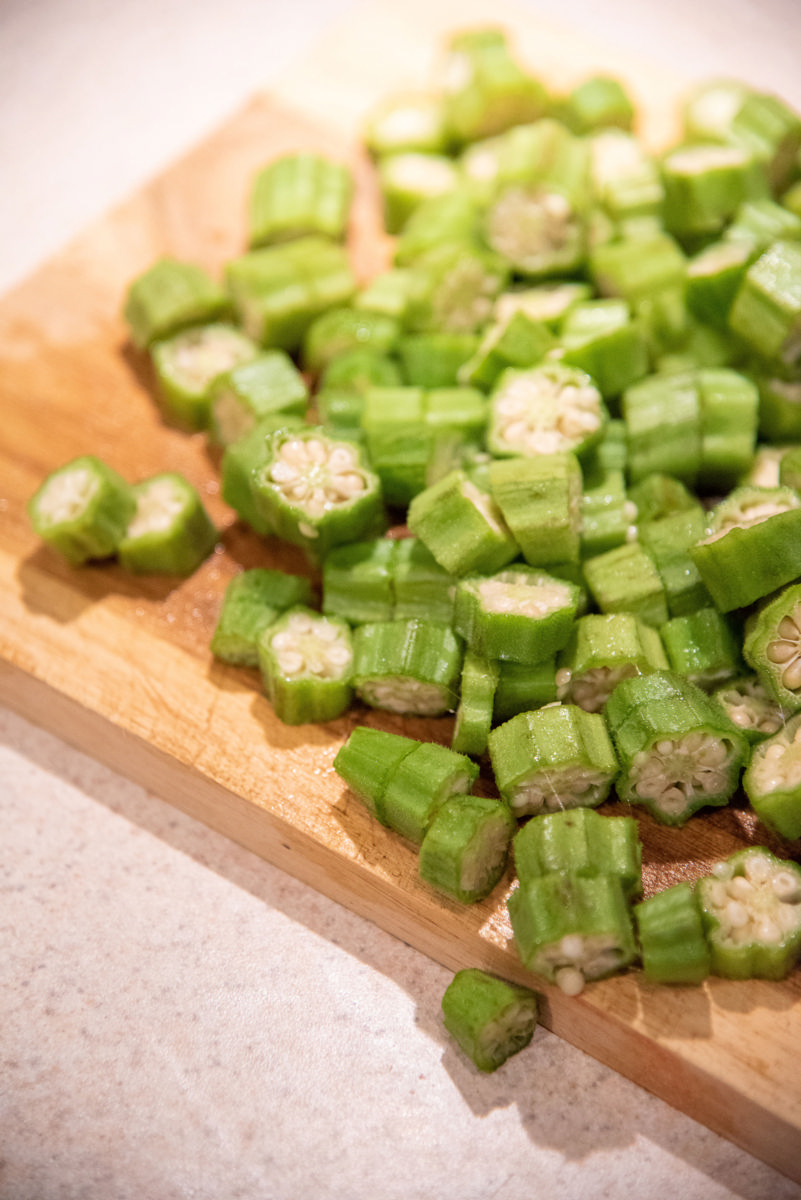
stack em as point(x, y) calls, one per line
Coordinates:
point(120, 666)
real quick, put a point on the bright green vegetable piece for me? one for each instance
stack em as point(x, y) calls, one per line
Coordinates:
point(582, 841)
point(626, 579)
point(388, 293)
point(346, 328)
point(170, 531)
point(521, 613)
point(751, 911)
point(421, 783)
point(571, 929)
point(473, 720)
point(406, 122)
point(548, 409)
point(625, 179)
point(708, 109)
point(729, 416)
point(434, 360)
point(515, 340)
point(596, 103)
point(452, 218)
point(772, 646)
point(241, 460)
point(714, 275)
point(367, 762)
point(489, 1019)
point(759, 223)
point(636, 268)
point(658, 495)
point(554, 757)
point(465, 851)
point(408, 666)
point(668, 540)
point(298, 195)
point(705, 184)
point(358, 581)
point(766, 311)
point(540, 499)
point(188, 364)
point(779, 408)
point(253, 599)
point(746, 701)
point(600, 338)
point(602, 649)
point(772, 780)
point(703, 646)
point(486, 89)
point(170, 296)
point(409, 178)
point(462, 526)
point(454, 287)
point(306, 663)
point(522, 687)
point(672, 942)
point(537, 230)
point(771, 131)
point(422, 588)
point(82, 509)
point(261, 387)
point(663, 427)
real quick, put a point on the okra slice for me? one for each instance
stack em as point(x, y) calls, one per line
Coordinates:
point(779, 408)
point(597, 103)
point(554, 757)
point(771, 131)
point(473, 720)
point(408, 178)
point(489, 1019)
point(240, 461)
point(537, 230)
point(485, 89)
point(751, 911)
point(758, 223)
point(515, 340)
point(462, 526)
point(704, 646)
point(421, 783)
point(434, 360)
point(297, 195)
point(170, 531)
point(455, 285)
point(626, 579)
point(358, 580)
point(600, 338)
point(746, 701)
point(705, 183)
point(253, 599)
point(549, 409)
point(766, 311)
point(673, 945)
point(757, 526)
point(582, 841)
point(772, 646)
point(188, 363)
point(261, 387)
point(82, 509)
point(714, 275)
point(465, 850)
point(169, 296)
point(624, 178)
point(406, 122)
point(544, 303)
point(421, 587)
point(306, 663)
point(368, 760)
point(790, 468)
point(772, 780)
point(678, 752)
point(540, 499)
point(608, 515)
point(344, 382)
point(571, 929)
point(521, 614)
point(522, 687)
point(345, 328)
point(602, 649)
point(663, 427)
point(729, 416)
point(450, 218)
point(637, 267)
point(708, 109)
point(668, 540)
point(408, 666)
point(317, 491)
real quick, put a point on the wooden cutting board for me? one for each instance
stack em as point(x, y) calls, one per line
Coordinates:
point(120, 667)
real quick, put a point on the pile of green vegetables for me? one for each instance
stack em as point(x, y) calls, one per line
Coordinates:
point(577, 394)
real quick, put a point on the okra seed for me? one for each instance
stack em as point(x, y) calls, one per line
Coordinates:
point(569, 980)
point(572, 946)
point(737, 914)
point(786, 887)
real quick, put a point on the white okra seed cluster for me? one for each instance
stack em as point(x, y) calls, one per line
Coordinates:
point(762, 905)
point(749, 707)
point(537, 414)
point(309, 645)
point(403, 694)
point(776, 765)
point(557, 789)
point(465, 298)
point(575, 959)
point(592, 688)
point(525, 599)
point(674, 770)
point(157, 506)
point(750, 512)
point(785, 650)
point(531, 226)
point(316, 475)
point(200, 355)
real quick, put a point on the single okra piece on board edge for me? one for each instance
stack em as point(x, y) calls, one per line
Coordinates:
point(772, 780)
point(306, 663)
point(297, 195)
point(602, 649)
point(169, 296)
point(677, 750)
point(551, 758)
point(465, 850)
point(82, 510)
point(673, 946)
point(170, 532)
point(521, 613)
point(489, 1019)
point(583, 841)
point(252, 600)
point(408, 666)
point(367, 762)
point(571, 929)
point(187, 365)
point(751, 912)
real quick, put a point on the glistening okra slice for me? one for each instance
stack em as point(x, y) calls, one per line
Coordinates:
point(772, 646)
point(473, 720)
point(462, 526)
point(571, 929)
point(261, 387)
point(598, 102)
point(358, 581)
point(422, 588)
point(253, 599)
point(704, 646)
point(663, 427)
point(602, 649)
point(306, 663)
point(367, 762)
point(548, 409)
point(435, 360)
point(514, 340)
point(677, 750)
point(554, 757)
point(583, 841)
point(540, 499)
point(411, 666)
point(489, 1019)
point(673, 945)
point(344, 328)
point(771, 131)
point(751, 911)
point(705, 183)
point(82, 509)
point(170, 531)
point(600, 338)
point(772, 780)
point(297, 195)
point(171, 295)
point(766, 310)
point(521, 613)
point(188, 364)
point(608, 515)
point(421, 783)
point(522, 687)
point(465, 850)
point(747, 702)
point(537, 230)
point(240, 462)
point(625, 179)
point(409, 178)
point(626, 579)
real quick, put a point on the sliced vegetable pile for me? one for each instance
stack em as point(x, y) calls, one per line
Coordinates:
point(547, 470)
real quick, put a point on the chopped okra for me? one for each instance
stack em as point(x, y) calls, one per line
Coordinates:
point(82, 509)
point(521, 613)
point(170, 531)
point(462, 526)
point(253, 600)
point(264, 386)
point(549, 409)
point(583, 841)
point(473, 720)
point(466, 846)
point(169, 296)
point(489, 1019)
point(602, 649)
point(297, 195)
point(772, 780)
point(673, 945)
point(408, 666)
point(747, 703)
point(306, 662)
point(188, 364)
point(772, 647)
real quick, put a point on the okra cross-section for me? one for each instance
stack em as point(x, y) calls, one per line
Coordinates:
point(253, 600)
point(537, 230)
point(188, 364)
point(602, 649)
point(547, 409)
point(170, 531)
point(408, 666)
point(522, 613)
point(772, 780)
point(552, 758)
point(677, 750)
point(465, 850)
point(297, 195)
point(747, 702)
point(82, 509)
point(772, 647)
point(489, 1019)
point(306, 663)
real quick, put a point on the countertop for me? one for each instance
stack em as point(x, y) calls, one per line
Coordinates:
point(177, 1018)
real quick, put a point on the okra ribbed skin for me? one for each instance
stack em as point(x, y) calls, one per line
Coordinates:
point(626, 579)
point(487, 89)
point(599, 102)
point(465, 849)
point(673, 945)
point(411, 666)
point(261, 387)
point(358, 581)
point(253, 599)
point(540, 499)
point(520, 613)
point(434, 360)
point(170, 532)
point(476, 700)
point(663, 427)
point(522, 687)
point(602, 649)
point(169, 296)
point(298, 195)
point(421, 783)
point(82, 509)
point(490, 1020)
point(462, 526)
point(766, 311)
point(406, 121)
point(423, 589)
point(188, 364)
point(704, 646)
point(345, 328)
point(583, 841)
point(368, 760)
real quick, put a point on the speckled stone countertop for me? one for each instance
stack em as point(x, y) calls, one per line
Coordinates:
point(179, 1019)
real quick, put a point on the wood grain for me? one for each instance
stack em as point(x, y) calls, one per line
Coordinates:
point(120, 667)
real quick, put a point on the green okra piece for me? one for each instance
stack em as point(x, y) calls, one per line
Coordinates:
point(451, 218)
point(344, 382)
point(316, 491)
point(421, 783)
point(663, 427)
point(466, 847)
point(791, 199)
point(772, 780)
point(170, 531)
point(665, 321)
point(473, 720)
point(547, 409)
point(346, 328)
point(521, 613)
point(703, 646)
point(516, 340)
point(551, 758)
point(625, 180)
point(406, 122)
point(169, 296)
point(188, 364)
point(771, 131)
point(753, 525)
point(677, 750)
point(260, 387)
point(486, 90)
point(582, 841)
point(358, 581)
point(571, 929)
point(751, 912)
point(522, 687)
point(598, 102)
point(608, 515)
point(779, 418)
point(489, 1019)
point(387, 292)
point(82, 509)
point(602, 649)
point(241, 459)
point(422, 588)
point(544, 303)
point(462, 526)
point(367, 762)
point(253, 599)
point(434, 360)
point(609, 454)
point(772, 646)
point(714, 275)
point(668, 540)
point(673, 946)
point(705, 183)
point(626, 579)
point(758, 223)
point(708, 109)
point(298, 195)
point(454, 287)
point(747, 702)
point(542, 152)
point(701, 346)
point(409, 178)
point(766, 310)
point(729, 418)
point(600, 338)
point(636, 268)
point(306, 664)
point(538, 230)
point(408, 666)
point(540, 499)
point(658, 495)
